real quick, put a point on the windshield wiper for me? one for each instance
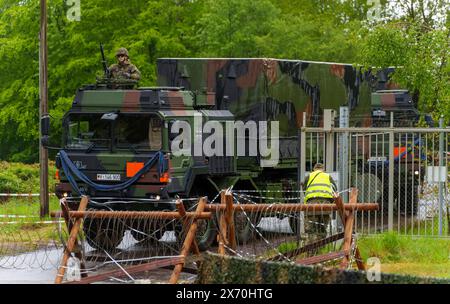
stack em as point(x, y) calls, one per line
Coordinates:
point(133, 148)
point(89, 149)
point(130, 147)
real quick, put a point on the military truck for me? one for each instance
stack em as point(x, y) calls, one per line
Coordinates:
point(117, 137)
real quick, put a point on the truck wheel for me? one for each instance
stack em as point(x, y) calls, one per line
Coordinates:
point(103, 234)
point(245, 222)
point(206, 229)
point(242, 228)
point(146, 231)
point(294, 224)
point(206, 234)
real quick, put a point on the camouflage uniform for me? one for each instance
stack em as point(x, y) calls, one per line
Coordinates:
point(124, 70)
point(316, 224)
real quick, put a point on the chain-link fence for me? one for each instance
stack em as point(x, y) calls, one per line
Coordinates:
point(404, 170)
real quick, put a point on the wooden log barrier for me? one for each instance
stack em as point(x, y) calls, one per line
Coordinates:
point(71, 242)
point(186, 222)
point(291, 207)
point(69, 224)
point(187, 242)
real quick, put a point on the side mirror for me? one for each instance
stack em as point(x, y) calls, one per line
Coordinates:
point(45, 125)
point(45, 130)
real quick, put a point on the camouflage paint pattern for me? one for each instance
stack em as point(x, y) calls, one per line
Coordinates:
point(274, 89)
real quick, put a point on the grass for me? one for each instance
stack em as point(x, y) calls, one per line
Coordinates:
point(25, 206)
point(400, 254)
point(20, 234)
point(429, 227)
point(422, 256)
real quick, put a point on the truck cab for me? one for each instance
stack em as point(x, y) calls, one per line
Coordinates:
point(109, 135)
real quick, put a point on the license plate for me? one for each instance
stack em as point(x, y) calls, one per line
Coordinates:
point(108, 177)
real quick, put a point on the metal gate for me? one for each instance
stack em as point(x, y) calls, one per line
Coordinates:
point(404, 170)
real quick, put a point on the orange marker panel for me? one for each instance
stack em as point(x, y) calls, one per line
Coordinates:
point(133, 168)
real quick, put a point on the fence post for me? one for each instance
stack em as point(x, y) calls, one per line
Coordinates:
point(391, 176)
point(301, 222)
point(343, 158)
point(441, 183)
point(343, 149)
point(328, 125)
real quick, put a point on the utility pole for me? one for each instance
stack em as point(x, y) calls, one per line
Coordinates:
point(43, 110)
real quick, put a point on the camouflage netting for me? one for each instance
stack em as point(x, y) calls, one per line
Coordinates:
point(217, 269)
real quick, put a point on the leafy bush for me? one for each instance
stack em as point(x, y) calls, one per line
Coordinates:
point(9, 183)
point(23, 178)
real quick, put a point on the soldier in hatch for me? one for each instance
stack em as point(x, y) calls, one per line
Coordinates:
point(124, 69)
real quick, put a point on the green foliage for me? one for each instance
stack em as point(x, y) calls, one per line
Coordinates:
point(235, 28)
point(417, 38)
point(287, 246)
point(22, 178)
point(392, 247)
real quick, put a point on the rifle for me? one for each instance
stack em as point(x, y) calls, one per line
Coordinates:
point(105, 65)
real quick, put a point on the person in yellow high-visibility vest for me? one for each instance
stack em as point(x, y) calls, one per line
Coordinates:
point(320, 188)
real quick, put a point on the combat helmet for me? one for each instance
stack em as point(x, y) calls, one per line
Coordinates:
point(122, 51)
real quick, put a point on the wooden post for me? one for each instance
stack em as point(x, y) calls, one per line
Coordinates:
point(180, 207)
point(130, 270)
point(354, 200)
point(231, 237)
point(69, 225)
point(222, 234)
point(348, 238)
point(340, 209)
point(71, 241)
point(187, 242)
point(348, 216)
point(43, 111)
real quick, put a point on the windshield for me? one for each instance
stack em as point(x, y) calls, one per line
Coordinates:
point(135, 131)
point(85, 130)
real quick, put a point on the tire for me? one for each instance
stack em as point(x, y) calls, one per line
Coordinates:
point(103, 234)
point(147, 232)
point(245, 223)
point(294, 224)
point(206, 234)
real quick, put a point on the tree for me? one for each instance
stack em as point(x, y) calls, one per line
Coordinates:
point(235, 28)
point(415, 36)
